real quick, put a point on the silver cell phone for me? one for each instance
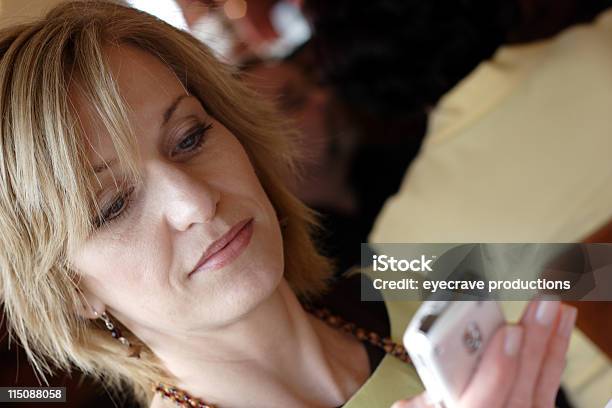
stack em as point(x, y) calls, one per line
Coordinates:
point(446, 340)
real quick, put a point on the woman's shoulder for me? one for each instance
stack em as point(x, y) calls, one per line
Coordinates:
point(392, 379)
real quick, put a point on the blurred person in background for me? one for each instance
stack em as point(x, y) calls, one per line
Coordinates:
point(392, 61)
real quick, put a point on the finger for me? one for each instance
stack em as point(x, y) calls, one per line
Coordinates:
point(420, 401)
point(554, 363)
point(529, 311)
point(493, 379)
point(538, 322)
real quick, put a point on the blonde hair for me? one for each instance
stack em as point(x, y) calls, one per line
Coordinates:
point(47, 199)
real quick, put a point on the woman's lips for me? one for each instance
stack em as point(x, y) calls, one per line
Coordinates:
point(227, 248)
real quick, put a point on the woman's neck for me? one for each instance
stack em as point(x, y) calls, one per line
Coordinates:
point(276, 356)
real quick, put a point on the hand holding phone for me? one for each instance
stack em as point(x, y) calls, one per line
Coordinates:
point(446, 340)
point(521, 365)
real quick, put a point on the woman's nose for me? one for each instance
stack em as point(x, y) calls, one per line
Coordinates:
point(185, 199)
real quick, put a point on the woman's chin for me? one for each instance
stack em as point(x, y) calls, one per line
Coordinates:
point(231, 299)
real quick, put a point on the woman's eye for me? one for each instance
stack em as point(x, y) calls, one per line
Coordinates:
point(194, 139)
point(188, 142)
point(117, 209)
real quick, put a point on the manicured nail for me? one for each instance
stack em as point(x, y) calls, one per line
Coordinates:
point(547, 311)
point(512, 341)
point(567, 321)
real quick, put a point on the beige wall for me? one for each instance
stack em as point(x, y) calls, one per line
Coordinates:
point(13, 11)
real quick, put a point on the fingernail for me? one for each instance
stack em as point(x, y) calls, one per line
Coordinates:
point(547, 311)
point(512, 341)
point(567, 321)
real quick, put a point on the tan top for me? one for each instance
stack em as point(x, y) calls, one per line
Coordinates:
point(393, 379)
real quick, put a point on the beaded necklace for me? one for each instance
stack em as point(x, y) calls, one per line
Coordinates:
point(183, 399)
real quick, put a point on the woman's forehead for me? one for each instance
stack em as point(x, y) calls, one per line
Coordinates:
point(142, 78)
point(146, 87)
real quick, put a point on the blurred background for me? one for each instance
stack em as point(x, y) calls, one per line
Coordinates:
point(392, 98)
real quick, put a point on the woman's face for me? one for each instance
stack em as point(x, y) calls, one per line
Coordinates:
point(198, 185)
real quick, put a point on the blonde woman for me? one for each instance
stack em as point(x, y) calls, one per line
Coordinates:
point(147, 238)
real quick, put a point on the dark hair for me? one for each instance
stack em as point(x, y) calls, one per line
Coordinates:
point(391, 57)
point(395, 58)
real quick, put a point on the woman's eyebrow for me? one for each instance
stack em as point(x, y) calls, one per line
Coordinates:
point(98, 168)
point(170, 111)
